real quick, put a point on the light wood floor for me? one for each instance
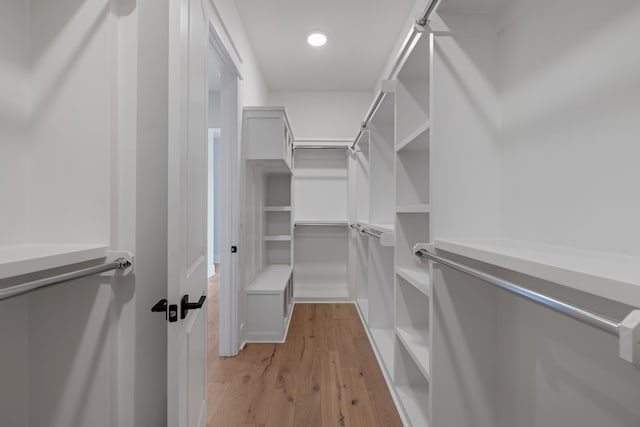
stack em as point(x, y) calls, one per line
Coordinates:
point(326, 374)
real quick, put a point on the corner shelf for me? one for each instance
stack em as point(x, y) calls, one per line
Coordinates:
point(23, 259)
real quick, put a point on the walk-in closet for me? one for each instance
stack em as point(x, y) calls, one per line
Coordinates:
point(225, 213)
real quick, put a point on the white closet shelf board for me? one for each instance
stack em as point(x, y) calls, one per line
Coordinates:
point(418, 140)
point(414, 208)
point(612, 276)
point(273, 278)
point(312, 222)
point(321, 295)
point(416, 277)
point(363, 305)
point(384, 341)
point(383, 228)
point(24, 259)
point(277, 238)
point(277, 209)
point(417, 348)
point(413, 400)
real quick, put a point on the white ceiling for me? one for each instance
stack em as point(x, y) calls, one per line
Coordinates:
point(361, 35)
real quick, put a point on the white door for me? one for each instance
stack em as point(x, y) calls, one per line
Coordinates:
point(187, 215)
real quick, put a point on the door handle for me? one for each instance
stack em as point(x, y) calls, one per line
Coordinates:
point(185, 305)
point(163, 306)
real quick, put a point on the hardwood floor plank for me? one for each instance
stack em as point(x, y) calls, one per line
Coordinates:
point(325, 375)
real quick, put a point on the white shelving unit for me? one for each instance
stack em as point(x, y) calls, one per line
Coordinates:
point(392, 174)
point(269, 212)
point(321, 192)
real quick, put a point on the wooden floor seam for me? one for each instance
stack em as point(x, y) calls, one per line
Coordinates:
point(325, 374)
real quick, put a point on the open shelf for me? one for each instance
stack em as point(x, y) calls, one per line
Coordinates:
point(412, 323)
point(412, 178)
point(273, 278)
point(277, 208)
point(278, 238)
point(414, 208)
point(418, 140)
point(24, 259)
point(412, 91)
point(412, 387)
point(611, 276)
point(381, 163)
point(411, 227)
point(417, 347)
point(414, 400)
point(418, 277)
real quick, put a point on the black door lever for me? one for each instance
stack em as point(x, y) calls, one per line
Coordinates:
point(163, 306)
point(185, 305)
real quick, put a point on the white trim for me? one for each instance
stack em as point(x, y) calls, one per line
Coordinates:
point(218, 33)
point(229, 144)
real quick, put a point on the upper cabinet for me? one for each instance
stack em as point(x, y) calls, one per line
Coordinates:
point(268, 134)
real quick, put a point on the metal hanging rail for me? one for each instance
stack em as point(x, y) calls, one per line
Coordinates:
point(118, 264)
point(321, 224)
point(593, 319)
point(320, 147)
point(408, 44)
point(368, 232)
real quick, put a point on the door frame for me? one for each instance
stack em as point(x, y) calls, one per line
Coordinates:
point(229, 187)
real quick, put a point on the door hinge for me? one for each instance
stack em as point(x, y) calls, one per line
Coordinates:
point(234, 249)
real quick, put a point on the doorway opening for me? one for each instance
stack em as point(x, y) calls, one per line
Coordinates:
point(214, 177)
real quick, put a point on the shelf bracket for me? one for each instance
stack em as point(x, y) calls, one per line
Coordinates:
point(630, 338)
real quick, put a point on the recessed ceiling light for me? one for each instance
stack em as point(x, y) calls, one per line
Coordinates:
point(317, 39)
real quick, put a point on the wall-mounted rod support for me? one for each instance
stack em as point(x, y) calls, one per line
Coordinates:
point(424, 19)
point(118, 264)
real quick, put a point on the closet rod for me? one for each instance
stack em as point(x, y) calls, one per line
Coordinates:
point(369, 233)
point(321, 224)
point(118, 264)
point(593, 319)
point(321, 147)
point(407, 46)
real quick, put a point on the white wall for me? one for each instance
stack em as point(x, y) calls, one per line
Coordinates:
point(331, 115)
point(13, 106)
point(14, 314)
point(571, 102)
